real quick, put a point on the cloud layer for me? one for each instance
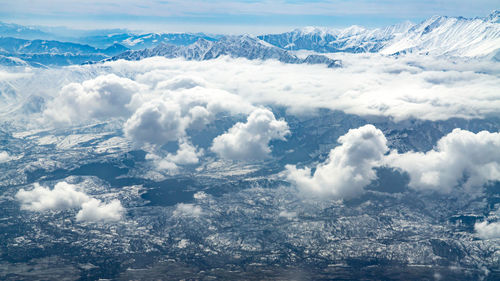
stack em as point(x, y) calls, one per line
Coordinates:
point(367, 84)
point(159, 100)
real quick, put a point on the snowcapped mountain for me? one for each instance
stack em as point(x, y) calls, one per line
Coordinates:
point(354, 39)
point(22, 46)
point(142, 41)
point(449, 36)
point(235, 46)
point(12, 61)
point(437, 36)
point(20, 31)
point(455, 36)
point(16, 51)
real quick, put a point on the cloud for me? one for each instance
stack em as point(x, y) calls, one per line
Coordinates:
point(250, 140)
point(69, 196)
point(461, 158)
point(288, 215)
point(63, 196)
point(104, 97)
point(349, 167)
point(156, 122)
point(487, 230)
point(166, 100)
point(181, 82)
point(5, 157)
point(187, 154)
point(367, 84)
point(96, 211)
point(187, 210)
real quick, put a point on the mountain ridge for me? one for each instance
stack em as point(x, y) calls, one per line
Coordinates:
point(437, 36)
point(243, 46)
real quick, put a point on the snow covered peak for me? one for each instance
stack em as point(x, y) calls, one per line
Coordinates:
point(315, 30)
point(438, 35)
point(242, 46)
point(494, 17)
point(456, 36)
point(352, 30)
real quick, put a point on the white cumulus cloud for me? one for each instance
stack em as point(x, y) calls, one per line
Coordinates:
point(187, 210)
point(486, 230)
point(97, 211)
point(5, 157)
point(250, 140)
point(187, 154)
point(461, 158)
point(69, 196)
point(62, 196)
point(156, 122)
point(104, 97)
point(349, 167)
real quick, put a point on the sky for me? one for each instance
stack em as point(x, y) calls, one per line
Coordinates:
point(222, 16)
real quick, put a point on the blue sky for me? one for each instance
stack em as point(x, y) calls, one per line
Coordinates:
point(221, 16)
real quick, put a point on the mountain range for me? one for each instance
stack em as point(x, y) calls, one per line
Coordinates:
point(235, 46)
point(437, 36)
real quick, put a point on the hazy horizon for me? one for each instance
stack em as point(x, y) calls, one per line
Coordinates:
point(230, 17)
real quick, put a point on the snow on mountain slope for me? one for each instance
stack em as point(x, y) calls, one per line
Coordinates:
point(449, 36)
point(21, 46)
point(354, 39)
point(20, 31)
point(235, 46)
point(142, 41)
point(453, 36)
point(38, 53)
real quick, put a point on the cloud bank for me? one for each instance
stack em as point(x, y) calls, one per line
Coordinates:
point(69, 196)
point(367, 84)
point(159, 100)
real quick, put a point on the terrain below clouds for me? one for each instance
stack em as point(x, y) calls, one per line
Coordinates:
point(221, 162)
